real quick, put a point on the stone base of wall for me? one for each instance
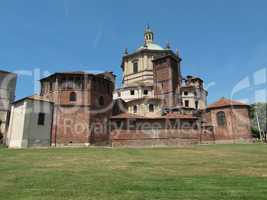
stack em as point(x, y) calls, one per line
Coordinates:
point(171, 138)
point(160, 138)
point(71, 145)
point(105, 143)
point(237, 141)
point(153, 143)
point(171, 142)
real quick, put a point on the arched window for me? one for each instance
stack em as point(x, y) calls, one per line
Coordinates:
point(135, 67)
point(73, 96)
point(221, 121)
point(101, 101)
point(135, 109)
point(151, 108)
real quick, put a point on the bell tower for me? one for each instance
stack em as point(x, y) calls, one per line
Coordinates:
point(149, 35)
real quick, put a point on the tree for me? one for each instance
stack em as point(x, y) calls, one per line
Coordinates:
point(259, 120)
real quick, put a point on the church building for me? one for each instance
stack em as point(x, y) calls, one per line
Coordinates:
point(155, 106)
point(152, 80)
point(161, 107)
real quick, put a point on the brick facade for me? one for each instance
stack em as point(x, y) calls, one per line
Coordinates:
point(226, 121)
point(167, 79)
point(137, 131)
point(83, 105)
point(236, 126)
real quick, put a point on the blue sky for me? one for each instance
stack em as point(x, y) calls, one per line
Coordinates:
point(222, 41)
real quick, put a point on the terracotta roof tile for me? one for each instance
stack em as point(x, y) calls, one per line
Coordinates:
point(81, 73)
point(35, 98)
point(226, 103)
point(38, 98)
point(179, 116)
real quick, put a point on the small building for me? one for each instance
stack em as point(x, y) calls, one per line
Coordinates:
point(7, 96)
point(230, 121)
point(30, 123)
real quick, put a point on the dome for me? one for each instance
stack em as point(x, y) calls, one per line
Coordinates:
point(150, 46)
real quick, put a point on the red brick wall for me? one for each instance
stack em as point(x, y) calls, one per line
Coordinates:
point(82, 121)
point(166, 80)
point(168, 135)
point(237, 124)
point(71, 125)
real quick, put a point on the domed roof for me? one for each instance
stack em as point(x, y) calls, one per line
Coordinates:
point(150, 46)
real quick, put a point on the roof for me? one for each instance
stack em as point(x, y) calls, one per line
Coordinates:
point(150, 46)
point(77, 73)
point(134, 86)
point(184, 87)
point(34, 98)
point(6, 72)
point(179, 116)
point(145, 98)
point(168, 116)
point(171, 54)
point(38, 98)
point(194, 77)
point(223, 102)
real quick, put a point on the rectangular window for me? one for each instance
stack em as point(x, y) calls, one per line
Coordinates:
point(196, 104)
point(185, 93)
point(151, 108)
point(70, 83)
point(63, 83)
point(135, 109)
point(41, 119)
point(108, 88)
point(186, 102)
point(77, 83)
point(119, 124)
point(145, 92)
point(132, 92)
point(135, 67)
point(50, 86)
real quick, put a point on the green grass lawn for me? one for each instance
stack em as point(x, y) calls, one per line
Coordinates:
point(199, 172)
